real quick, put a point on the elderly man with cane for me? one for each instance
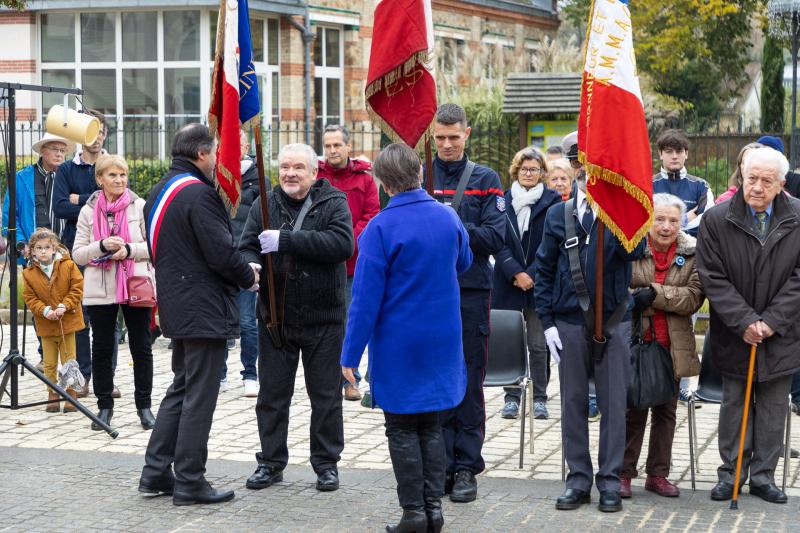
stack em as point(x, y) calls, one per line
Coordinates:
point(748, 258)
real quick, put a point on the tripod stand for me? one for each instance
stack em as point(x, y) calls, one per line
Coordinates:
point(12, 363)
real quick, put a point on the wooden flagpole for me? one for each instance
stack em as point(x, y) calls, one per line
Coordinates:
point(428, 165)
point(598, 283)
point(273, 326)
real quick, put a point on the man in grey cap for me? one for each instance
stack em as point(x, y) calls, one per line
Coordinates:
point(34, 201)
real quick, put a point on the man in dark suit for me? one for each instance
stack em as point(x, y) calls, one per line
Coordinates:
point(199, 272)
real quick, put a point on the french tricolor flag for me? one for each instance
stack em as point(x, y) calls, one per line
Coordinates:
point(234, 95)
point(612, 133)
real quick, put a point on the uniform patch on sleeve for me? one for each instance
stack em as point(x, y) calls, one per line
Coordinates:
point(501, 203)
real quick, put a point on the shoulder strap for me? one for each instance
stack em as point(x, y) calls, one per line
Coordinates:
point(462, 185)
point(571, 244)
point(303, 212)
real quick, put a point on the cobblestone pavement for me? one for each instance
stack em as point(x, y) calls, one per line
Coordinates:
point(104, 482)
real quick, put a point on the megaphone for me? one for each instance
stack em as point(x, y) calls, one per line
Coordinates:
point(68, 123)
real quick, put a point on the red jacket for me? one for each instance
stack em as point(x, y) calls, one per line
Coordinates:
point(356, 182)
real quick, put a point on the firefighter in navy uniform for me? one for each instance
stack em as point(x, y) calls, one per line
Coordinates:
point(482, 210)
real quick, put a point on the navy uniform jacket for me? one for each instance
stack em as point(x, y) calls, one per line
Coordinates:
point(482, 212)
point(554, 292)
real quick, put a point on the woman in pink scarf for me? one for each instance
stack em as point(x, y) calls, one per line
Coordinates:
point(111, 243)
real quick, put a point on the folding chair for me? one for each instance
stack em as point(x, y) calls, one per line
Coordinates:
point(508, 361)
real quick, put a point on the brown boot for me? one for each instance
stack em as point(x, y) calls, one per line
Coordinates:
point(68, 407)
point(55, 406)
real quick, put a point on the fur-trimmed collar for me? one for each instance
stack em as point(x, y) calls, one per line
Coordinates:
point(686, 245)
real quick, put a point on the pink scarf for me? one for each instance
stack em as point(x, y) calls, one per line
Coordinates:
point(101, 230)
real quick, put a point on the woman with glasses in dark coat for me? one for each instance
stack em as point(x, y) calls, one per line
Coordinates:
point(527, 202)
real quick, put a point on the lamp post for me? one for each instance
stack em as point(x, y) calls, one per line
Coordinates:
point(784, 16)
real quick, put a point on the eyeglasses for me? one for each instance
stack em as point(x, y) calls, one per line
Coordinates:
point(56, 150)
point(531, 171)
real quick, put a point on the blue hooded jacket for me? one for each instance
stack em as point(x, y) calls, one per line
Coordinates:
point(406, 304)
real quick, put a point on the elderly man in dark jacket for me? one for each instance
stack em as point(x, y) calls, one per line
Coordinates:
point(199, 272)
point(310, 235)
point(748, 258)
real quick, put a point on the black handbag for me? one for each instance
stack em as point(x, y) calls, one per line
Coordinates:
point(652, 380)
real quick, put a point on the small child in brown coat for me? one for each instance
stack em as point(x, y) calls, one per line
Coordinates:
point(53, 291)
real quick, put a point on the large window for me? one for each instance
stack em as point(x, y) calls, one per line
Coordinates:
point(328, 80)
point(145, 69)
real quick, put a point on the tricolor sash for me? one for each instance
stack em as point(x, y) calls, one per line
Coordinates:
point(165, 197)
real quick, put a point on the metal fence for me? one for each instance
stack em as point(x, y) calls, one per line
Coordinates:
point(712, 154)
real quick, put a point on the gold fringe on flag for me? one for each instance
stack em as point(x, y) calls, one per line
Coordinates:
point(618, 180)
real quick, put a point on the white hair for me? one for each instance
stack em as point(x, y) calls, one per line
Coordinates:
point(669, 200)
point(766, 156)
point(304, 149)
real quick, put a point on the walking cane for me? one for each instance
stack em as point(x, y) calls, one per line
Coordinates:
point(748, 390)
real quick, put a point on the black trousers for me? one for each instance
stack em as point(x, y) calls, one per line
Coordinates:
point(185, 415)
point(464, 426)
point(321, 347)
point(416, 446)
point(104, 343)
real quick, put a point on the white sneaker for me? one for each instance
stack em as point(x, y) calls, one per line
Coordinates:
point(250, 388)
point(223, 385)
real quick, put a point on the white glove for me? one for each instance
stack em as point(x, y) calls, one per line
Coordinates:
point(553, 343)
point(256, 269)
point(269, 240)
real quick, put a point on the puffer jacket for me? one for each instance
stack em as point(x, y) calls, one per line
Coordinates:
point(100, 285)
point(679, 297)
point(356, 182)
point(64, 286)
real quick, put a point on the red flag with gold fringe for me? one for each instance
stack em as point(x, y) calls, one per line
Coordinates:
point(401, 89)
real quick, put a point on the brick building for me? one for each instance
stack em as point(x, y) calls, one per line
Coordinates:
point(147, 63)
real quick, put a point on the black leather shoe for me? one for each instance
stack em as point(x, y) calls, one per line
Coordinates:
point(205, 494)
point(769, 493)
point(328, 480)
point(146, 418)
point(157, 485)
point(413, 521)
point(465, 487)
point(448, 482)
point(610, 501)
point(722, 491)
point(433, 511)
point(104, 415)
point(572, 499)
point(264, 476)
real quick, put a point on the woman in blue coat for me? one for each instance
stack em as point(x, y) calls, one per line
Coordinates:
point(527, 202)
point(406, 306)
